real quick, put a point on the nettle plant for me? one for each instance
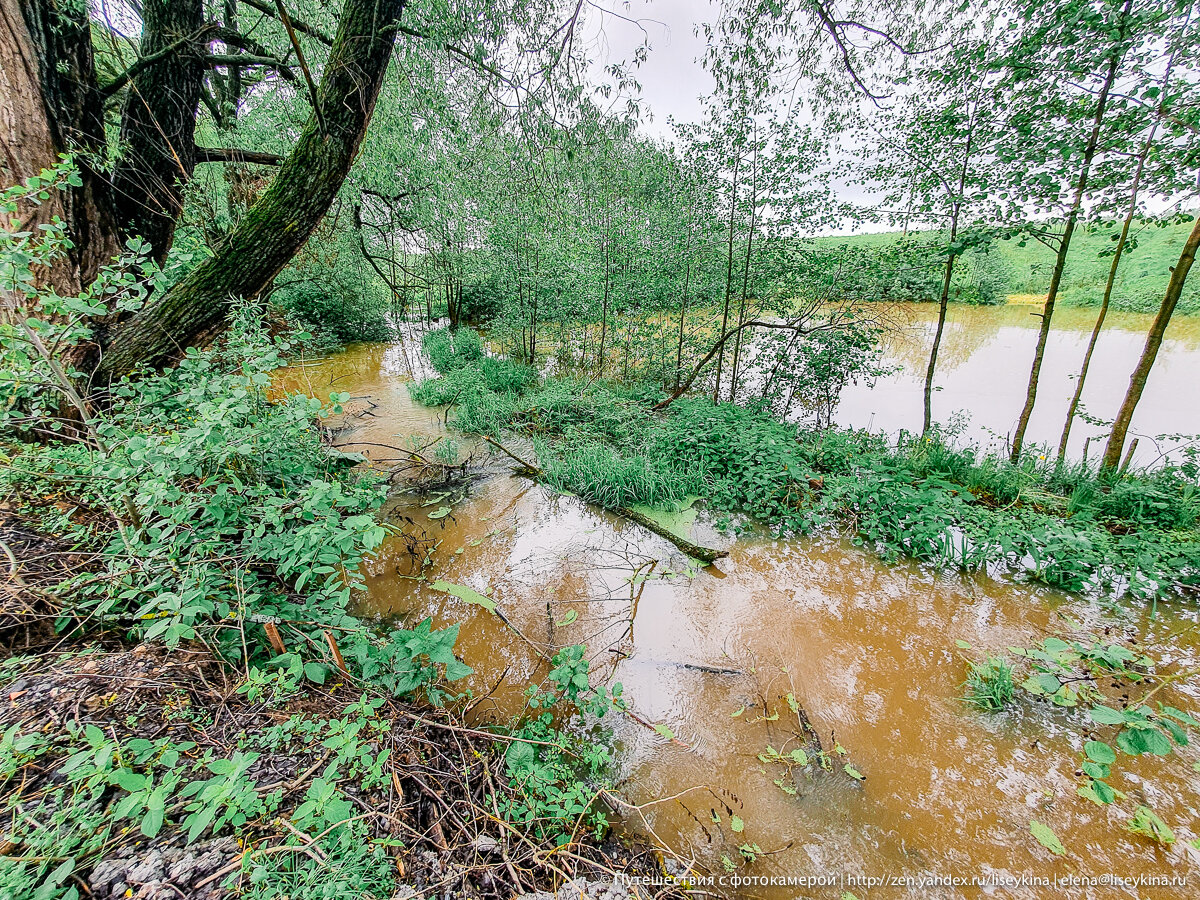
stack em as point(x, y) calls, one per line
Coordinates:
point(1072, 673)
point(560, 771)
point(215, 508)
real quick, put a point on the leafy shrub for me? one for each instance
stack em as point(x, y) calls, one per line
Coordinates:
point(558, 773)
point(332, 310)
point(450, 349)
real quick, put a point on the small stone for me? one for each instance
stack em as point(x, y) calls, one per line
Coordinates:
point(485, 843)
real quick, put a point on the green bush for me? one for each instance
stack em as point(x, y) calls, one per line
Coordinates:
point(334, 312)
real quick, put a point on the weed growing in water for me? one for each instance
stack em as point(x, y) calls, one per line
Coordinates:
point(989, 685)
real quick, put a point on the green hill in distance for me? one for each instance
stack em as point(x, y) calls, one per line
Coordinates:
point(1024, 271)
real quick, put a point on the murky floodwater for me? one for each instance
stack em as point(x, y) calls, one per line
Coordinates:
point(983, 370)
point(867, 650)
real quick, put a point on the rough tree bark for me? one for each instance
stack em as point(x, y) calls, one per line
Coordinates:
point(49, 106)
point(1154, 339)
point(288, 211)
point(158, 123)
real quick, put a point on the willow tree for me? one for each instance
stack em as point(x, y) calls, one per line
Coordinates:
point(57, 103)
point(927, 159)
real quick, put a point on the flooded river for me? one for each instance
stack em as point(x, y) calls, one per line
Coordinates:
point(983, 369)
point(867, 651)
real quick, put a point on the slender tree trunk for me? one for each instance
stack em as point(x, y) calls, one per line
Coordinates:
point(288, 211)
point(1112, 269)
point(737, 343)
point(944, 300)
point(1137, 382)
point(1060, 261)
point(687, 277)
point(728, 278)
point(604, 307)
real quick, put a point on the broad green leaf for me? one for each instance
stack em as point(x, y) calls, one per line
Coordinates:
point(736, 825)
point(1047, 838)
point(1100, 752)
point(1106, 715)
point(463, 592)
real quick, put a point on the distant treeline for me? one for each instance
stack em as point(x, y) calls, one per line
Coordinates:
point(1016, 266)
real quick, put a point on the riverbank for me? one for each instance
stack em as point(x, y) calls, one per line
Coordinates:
point(189, 706)
point(1019, 269)
point(719, 659)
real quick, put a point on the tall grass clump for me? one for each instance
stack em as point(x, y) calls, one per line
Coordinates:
point(989, 685)
point(602, 475)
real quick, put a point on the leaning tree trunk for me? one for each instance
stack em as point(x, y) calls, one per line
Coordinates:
point(1137, 383)
point(288, 211)
point(1060, 261)
point(1116, 262)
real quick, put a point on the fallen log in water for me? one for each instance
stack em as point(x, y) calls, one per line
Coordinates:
point(707, 555)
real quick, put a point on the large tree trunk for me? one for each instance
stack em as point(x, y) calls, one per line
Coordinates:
point(49, 106)
point(1137, 383)
point(158, 123)
point(1060, 261)
point(283, 218)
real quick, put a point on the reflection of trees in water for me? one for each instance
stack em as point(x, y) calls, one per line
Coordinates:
point(968, 328)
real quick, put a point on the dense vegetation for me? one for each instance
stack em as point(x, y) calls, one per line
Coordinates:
point(197, 192)
point(1070, 526)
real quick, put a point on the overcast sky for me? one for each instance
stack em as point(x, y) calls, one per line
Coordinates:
point(672, 79)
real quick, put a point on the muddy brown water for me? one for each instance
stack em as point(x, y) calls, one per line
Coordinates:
point(866, 648)
point(983, 369)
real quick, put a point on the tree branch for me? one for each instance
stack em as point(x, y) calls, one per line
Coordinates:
point(235, 155)
point(245, 60)
point(268, 9)
point(146, 62)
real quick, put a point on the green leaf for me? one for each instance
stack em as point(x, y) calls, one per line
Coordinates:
point(736, 825)
point(440, 513)
point(521, 757)
point(152, 822)
point(665, 732)
point(853, 772)
point(1138, 741)
point(315, 672)
point(570, 617)
point(1106, 715)
point(465, 593)
point(456, 670)
point(131, 781)
point(799, 757)
point(1047, 838)
point(1147, 823)
point(1100, 752)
